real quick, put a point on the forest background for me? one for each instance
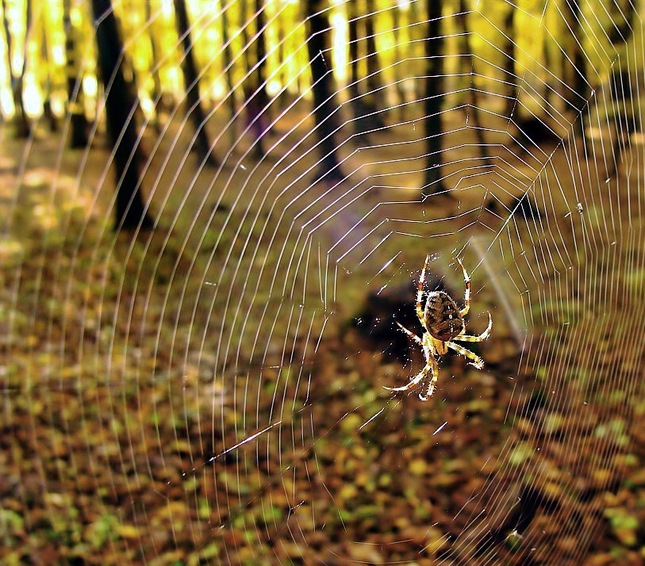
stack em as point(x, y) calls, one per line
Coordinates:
point(198, 203)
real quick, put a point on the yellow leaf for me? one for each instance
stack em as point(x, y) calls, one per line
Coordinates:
point(128, 531)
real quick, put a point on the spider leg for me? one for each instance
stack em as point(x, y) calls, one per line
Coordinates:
point(432, 385)
point(418, 378)
point(427, 369)
point(463, 312)
point(411, 334)
point(480, 338)
point(475, 359)
point(420, 285)
point(430, 368)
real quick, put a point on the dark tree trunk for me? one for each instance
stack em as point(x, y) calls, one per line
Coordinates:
point(371, 56)
point(260, 49)
point(120, 103)
point(201, 144)
point(257, 101)
point(622, 15)
point(324, 108)
point(575, 59)
point(79, 126)
point(576, 67)
point(433, 47)
point(472, 110)
point(364, 106)
point(228, 70)
point(508, 67)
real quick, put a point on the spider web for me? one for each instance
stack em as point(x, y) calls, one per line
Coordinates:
point(214, 389)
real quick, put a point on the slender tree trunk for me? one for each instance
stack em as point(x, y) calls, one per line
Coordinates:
point(23, 124)
point(324, 107)
point(48, 112)
point(575, 60)
point(576, 67)
point(622, 16)
point(201, 143)
point(472, 110)
point(433, 46)
point(508, 66)
point(400, 47)
point(373, 68)
point(75, 108)
point(120, 103)
point(356, 102)
point(257, 101)
point(228, 70)
point(157, 94)
point(260, 49)
point(364, 104)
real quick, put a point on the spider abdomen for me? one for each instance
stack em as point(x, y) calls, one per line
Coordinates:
point(442, 317)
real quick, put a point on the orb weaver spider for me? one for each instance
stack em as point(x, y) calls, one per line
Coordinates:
point(442, 322)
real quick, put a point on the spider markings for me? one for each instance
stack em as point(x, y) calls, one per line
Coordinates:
point(442, 322)
point(442, 317)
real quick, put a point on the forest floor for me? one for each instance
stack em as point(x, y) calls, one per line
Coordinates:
point(120, 442)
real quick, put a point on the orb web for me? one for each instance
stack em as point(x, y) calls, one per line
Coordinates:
point(214, 388)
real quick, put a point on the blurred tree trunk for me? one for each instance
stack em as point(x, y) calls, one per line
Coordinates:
point(321, 75)
point(575, 65)
point(260, 50)
point(364, 97)
point(433, 99)
point(575, 58)
point(472, 109)
point(23, 124)
point(79, 125)
point(401, 46)
point(201, 143)
point(228, 71)
point(371, 59)
point(508, 67)
point(157, 94)
point(625, 112)
point(356, 102)
point(49, 86)
point(120, 104)
point(257, 101)
point(622, 16)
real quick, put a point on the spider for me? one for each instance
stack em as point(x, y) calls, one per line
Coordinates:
point(442, 322)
